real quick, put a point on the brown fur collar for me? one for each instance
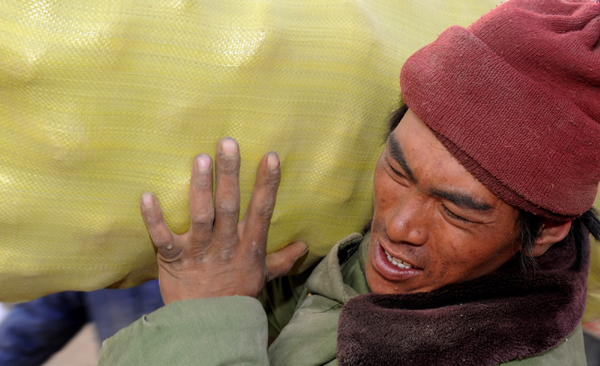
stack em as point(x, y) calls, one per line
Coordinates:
point(500, 317)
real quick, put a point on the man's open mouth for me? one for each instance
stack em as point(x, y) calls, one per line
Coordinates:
point(397, 262)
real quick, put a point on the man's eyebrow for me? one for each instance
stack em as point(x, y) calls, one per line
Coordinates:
point(397, 155)
point(461, 200)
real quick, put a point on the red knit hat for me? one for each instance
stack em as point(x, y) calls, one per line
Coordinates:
point(516, 99)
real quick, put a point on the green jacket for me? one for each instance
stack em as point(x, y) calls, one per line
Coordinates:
point(235, 330)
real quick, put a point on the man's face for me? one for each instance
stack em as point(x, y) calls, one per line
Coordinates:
point(432, 217)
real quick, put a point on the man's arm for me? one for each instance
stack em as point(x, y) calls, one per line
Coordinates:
point(216, 331)
point(211, 275)
point(34, 331)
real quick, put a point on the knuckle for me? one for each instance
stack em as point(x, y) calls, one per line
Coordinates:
point(272, 180)
point(275, 268)
point(203, 184)
point(264, 212)
point(274, 260)
point(171, 258)
point(152, 219)
point(256, 251)
point(229, 165)
point(228, 208)
point(167, 250)
point(202, 218)
point(224, 257)
point(161, 241)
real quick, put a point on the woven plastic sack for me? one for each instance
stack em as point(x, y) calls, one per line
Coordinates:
point(103, 100)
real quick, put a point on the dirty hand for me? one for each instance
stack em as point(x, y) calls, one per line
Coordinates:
point(219, 256)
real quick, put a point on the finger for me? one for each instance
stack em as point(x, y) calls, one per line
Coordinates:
point(201, 203)
point(227, 191)
point(280, 263)
point(260, 209)
point(157, 228)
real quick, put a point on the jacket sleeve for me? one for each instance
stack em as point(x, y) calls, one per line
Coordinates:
point(218, 331)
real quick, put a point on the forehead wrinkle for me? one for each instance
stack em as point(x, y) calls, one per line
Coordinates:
point(396, 153)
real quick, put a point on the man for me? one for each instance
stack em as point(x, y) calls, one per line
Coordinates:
point(478, 249)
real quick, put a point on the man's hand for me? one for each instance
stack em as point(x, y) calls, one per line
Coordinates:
point(219, 256)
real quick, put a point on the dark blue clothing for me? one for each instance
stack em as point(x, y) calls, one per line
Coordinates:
point(33, 331)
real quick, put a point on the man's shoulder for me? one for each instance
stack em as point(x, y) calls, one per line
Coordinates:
point(329, 286)
point(340, 275)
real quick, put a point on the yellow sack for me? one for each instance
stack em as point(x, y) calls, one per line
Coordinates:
point(103, 100)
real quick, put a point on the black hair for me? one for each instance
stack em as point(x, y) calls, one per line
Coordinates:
point(529, 225)
point(395, 118)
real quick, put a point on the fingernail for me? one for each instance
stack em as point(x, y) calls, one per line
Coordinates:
point(148, 200)
point(305, 251)
point(229, 147)
point(272, 161)
point(203, 163)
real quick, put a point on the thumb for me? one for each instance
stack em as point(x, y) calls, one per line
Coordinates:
point(280, 262)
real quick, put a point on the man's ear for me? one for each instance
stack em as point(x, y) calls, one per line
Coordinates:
point(551, 233)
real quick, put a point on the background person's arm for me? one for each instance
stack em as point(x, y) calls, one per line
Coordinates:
point(33, 331)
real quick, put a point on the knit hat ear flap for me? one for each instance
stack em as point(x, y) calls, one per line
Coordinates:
point(516, 100)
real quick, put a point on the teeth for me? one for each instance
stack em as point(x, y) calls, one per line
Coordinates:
point(397, 262)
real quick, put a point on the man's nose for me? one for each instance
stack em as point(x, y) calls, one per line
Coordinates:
point(407, 222)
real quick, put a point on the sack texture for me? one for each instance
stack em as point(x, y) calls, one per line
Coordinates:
point(103, 100)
